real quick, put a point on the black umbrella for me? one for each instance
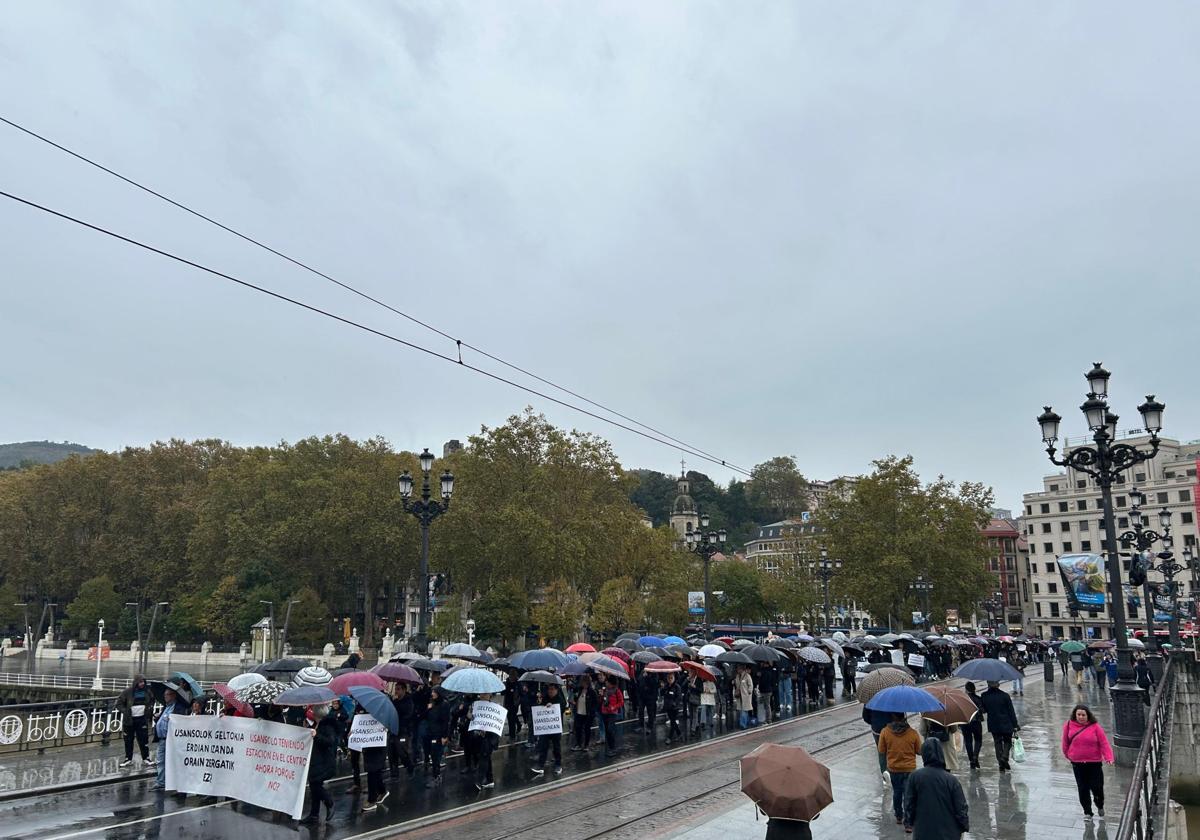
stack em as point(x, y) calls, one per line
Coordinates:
point(435, 666)
point(738, 644)
point(629, 645)
point(783, 644)
point(281, 668)
point(735, 657)
point(683, 652)
point(667, 653)
point(158, 689)
point(763, 654)
point(544, 677)
point(633, 636)
point(645, 656)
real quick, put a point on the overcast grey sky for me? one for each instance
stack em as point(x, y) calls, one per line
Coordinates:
point(833, 230)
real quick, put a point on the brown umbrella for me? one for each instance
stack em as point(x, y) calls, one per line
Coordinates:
point(960, 708)
point(877, 681)
point(786, 782)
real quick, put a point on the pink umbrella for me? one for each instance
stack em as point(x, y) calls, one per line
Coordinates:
point(621, 656)
point(240, 707)
point(341, 684)
point(580, 647)
point(397, 672)
point(662, 666)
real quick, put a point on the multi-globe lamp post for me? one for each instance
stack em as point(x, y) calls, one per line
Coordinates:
point(993, 605)
point(826, 569)
point(705, 544)
point(425, 509)
point(1141, 539)
point(923, 587)
point(1105, 462)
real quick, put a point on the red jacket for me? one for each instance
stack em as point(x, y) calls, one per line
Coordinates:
point(1085, 742)
point(612, 702)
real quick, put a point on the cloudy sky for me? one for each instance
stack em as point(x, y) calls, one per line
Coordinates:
point(830, 230)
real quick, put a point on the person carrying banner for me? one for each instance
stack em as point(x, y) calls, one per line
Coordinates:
point(322, 763)
point(374, 760)
point(551, 697)
point(487, 743)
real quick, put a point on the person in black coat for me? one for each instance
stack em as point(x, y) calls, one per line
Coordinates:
point(973, 731)
point(437, 732)
point(374, 760)
point(648, 693)
point(878, 721)
point(1001, 722)
point(486, 744)
point(672, 700)
point(512, 705)
point(849, 675)
point(322, 763)
point(420, 699)
point(399, 754)
point(551, 696)
point(827, 677)
point(935, 807)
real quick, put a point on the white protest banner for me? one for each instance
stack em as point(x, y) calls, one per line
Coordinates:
point(897, 656)
point(256, 761)
point(547, 720)
point(915, 660)
point(366, 732)
point(487, 717)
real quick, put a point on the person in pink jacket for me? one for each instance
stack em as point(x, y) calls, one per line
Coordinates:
point(1087, 748)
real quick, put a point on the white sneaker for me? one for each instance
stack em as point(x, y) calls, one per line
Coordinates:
point(887, 777)
point(126, 762)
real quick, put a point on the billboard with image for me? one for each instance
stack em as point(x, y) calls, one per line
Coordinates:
point(1084, 580)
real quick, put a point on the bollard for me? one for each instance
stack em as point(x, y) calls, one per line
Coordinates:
point(1048, 670)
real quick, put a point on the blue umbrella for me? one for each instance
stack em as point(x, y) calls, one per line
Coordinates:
point(378, 705)
point(473, 681)
point(575, 669)
point(539, 659)
point(674, 640)
point(652, 641)
point(305, 695)
point(987, 670)
point(904, 698)
point(185, 680)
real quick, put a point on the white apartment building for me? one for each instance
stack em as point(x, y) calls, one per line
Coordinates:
point(1066, 517)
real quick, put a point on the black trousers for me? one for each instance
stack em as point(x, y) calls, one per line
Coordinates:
point(1089, 781)
point(398, 755)
point(545, 742)
point(1003, 743)
point(673, 721)
point(583, 730)
point(319, 795)
point(356, 766)
point(137, 730)
point(487, 743)
point(973, 741)
point(648, 710)
point(374, 785)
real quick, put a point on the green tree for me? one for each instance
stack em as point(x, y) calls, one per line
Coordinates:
point(889, 528)
point(559, 615)
point(309, 624)
point(777, 490)
point(502, 614)
point(618, 608)
point(743, 601)
point(97, 599)
point(447, 626)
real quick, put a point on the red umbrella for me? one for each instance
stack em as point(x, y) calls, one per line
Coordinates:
point(702, 671)
point(662, 666)
point(724, 639)
point(397, 672)
point(342, 683)
point(580, 647)
point(621, 656)
point(240, 707)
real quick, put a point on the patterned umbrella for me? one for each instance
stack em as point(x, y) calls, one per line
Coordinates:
point(262, 693)
point(398, 672)
point(645, 657)
point(786, 782)
point(662, 667)
point(877, 681)
point(312, 675)
point(834, 646)
point(814, 655)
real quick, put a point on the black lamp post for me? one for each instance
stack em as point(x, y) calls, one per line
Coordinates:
point(705, 545)
point(923, 587)
point(425, 509)
point(1141, 539)
point(993, 605)
point(826, 569)
point(1105, 462)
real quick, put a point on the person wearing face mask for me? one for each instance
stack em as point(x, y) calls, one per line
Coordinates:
point(1086, 746)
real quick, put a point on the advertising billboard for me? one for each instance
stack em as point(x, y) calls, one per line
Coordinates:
point(1083, 578)
point(696, 603)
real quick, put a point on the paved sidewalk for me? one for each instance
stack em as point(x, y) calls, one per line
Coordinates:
point(1037, 801)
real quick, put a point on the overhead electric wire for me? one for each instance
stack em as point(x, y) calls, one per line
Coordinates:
point(300, 264)
point(350, 322)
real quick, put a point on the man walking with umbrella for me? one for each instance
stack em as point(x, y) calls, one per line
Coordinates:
point(1001, 722)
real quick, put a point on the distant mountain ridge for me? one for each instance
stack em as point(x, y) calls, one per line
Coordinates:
point(14, 455)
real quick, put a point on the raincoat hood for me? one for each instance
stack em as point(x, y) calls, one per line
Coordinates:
point(139, 681)
point(899, 727)
point(931, 753)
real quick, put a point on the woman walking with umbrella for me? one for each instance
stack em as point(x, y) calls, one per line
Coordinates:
point(935, 807)
point(322, 763)
point(1086, 746)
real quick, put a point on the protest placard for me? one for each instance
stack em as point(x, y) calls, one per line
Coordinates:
point(916, 660)
point(366, 732)
point(487, 717)
point(547, 720)
point(256, 761)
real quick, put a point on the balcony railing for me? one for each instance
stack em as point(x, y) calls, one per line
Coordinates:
point(1144, 816)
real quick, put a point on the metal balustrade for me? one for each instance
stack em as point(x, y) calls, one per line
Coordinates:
point(1144, 816)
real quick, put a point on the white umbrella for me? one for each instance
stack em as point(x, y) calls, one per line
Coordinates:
point(242, 680)
point(711, 650)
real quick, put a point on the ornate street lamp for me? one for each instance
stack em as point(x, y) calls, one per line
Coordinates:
point(426, 509)
point(1105, 461)
point(993, 605)
point(705, 545)
point(826, 569)
point(1141, 538)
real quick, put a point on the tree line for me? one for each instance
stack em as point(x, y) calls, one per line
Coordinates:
point(545, 530)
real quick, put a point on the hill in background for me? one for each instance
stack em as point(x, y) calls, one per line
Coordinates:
point(13, 455)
